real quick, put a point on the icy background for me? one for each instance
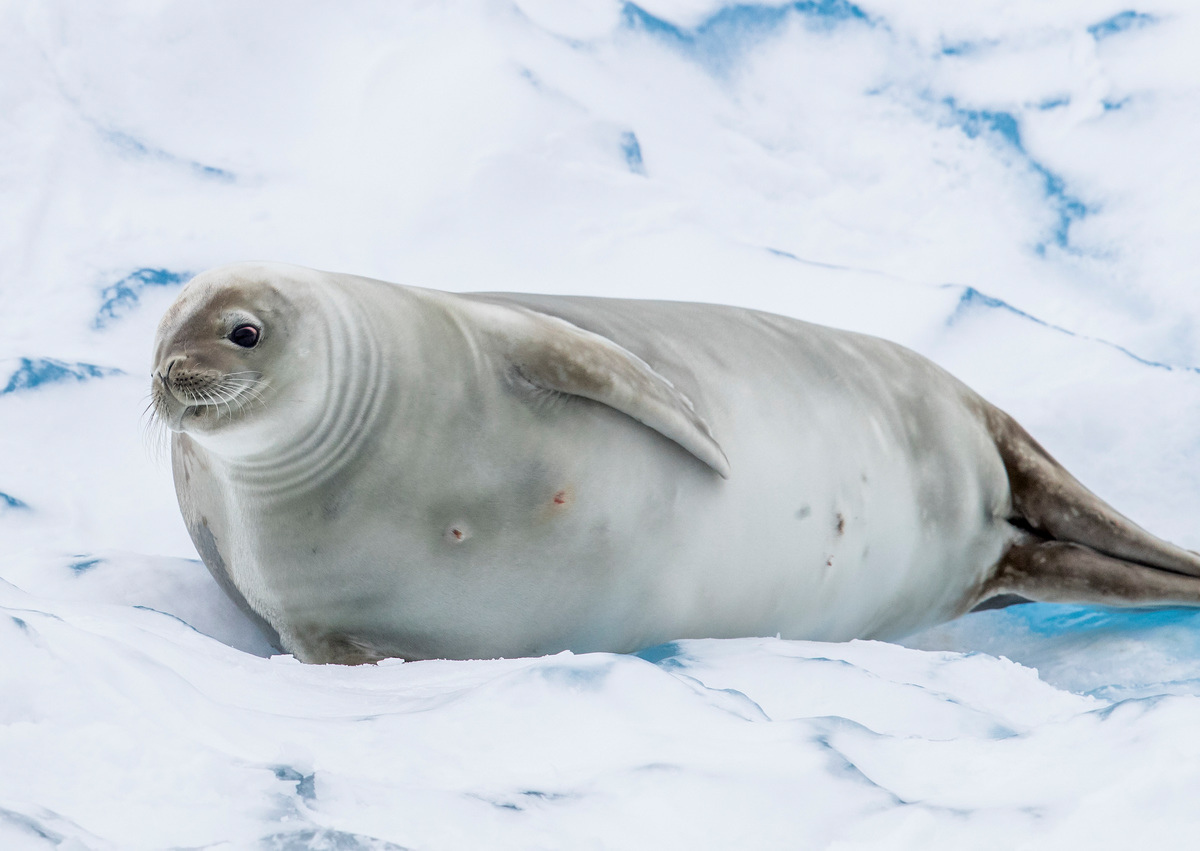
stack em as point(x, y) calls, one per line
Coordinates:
point(1011, 187)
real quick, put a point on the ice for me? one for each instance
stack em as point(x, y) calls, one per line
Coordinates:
point(1007, 187)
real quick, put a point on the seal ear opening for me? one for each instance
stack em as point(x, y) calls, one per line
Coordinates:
point(553, 354)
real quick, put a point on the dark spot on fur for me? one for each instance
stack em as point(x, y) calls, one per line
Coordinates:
point(457, 533)
point(803, 512)
point(841, 524)
point(335, 505)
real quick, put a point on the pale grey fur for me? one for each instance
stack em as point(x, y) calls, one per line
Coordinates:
point(423, 474)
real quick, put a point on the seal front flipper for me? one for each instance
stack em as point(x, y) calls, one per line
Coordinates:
point(195, 500)
point(553, 354)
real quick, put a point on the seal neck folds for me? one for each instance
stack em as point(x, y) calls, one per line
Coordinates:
point(319, 423)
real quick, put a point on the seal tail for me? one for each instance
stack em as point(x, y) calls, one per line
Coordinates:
point(1079, 548)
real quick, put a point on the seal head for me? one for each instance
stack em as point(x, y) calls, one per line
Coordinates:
point(225, 356)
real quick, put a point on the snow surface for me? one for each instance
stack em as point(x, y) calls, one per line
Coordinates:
point(1008, 186)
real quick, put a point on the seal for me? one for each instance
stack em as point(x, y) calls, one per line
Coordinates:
point(374, 470)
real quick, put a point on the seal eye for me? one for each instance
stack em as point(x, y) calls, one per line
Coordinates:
point(245, 336)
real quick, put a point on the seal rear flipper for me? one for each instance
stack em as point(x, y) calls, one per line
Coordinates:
point(1062, 572)
point(553, 354)
point(1052, 504)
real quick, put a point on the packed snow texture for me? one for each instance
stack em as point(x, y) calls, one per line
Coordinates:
point(1008, 186)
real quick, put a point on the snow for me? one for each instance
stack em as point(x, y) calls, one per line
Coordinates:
point(1007, 187)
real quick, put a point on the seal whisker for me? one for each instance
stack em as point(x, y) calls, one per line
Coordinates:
point(256, 392)
point(251, 391)
point(258, 397)
point(153, 430)
point(226, 401)
point(221, 396)
point(241, 391)
point(209, 401)
point(233, 391)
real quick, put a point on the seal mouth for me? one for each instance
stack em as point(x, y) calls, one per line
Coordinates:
point(185, 413)
point(181, 399)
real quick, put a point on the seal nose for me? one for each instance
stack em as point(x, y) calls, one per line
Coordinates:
point(164, 374)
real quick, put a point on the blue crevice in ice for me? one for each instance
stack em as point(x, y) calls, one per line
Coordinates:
point(173, 617)
point(591, 677)
point(120, 298)
point(669, 655)
point(966, 48)
point(1119, 23)
point(842, 764)
point(305, 783)
point(325, 838)
point(8, 502)
point(1055, 103)
point(1004, 125)
point(1062, 618)
point(779, 252)
point(716, 40)
point(632, 152)
point(84, 564)
point(543, 796)
point(24, 824)
point(131, 147)
point(34, 373)
point(976, 122)
point(1070, 209)
point(525, 796)
point(972, 299)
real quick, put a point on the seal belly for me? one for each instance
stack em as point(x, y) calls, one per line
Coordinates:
point(860, 506)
